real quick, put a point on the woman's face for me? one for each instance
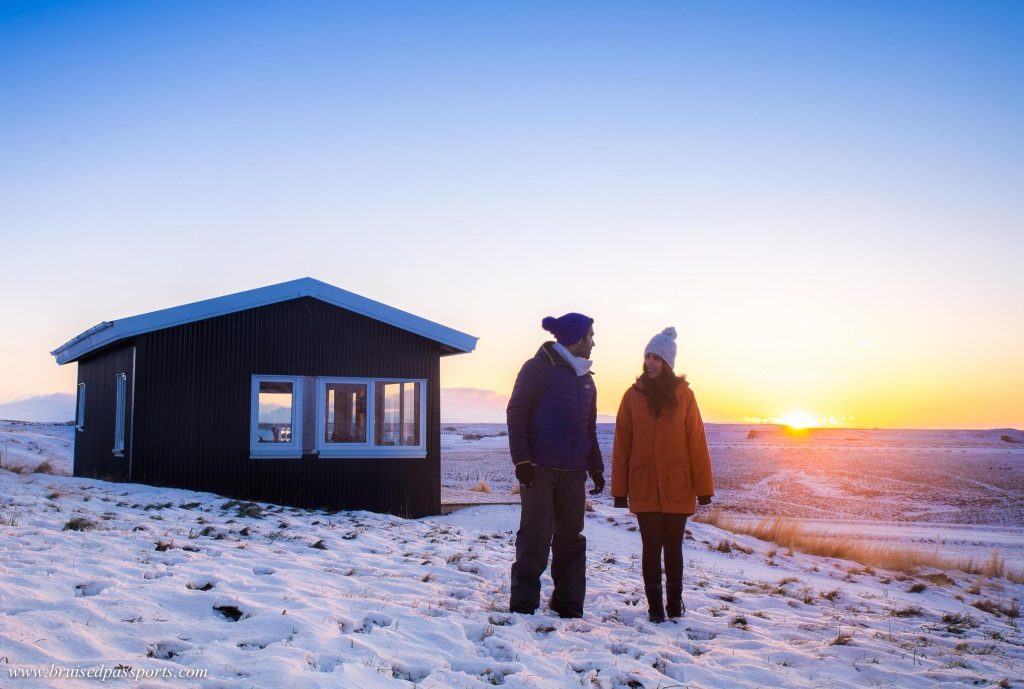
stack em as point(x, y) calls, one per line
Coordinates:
point(653, 365)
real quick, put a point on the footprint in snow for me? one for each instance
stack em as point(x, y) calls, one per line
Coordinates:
point(91, 588)
point(374, 620)
point(700, 634)
point(499, 650)
point(167, 650)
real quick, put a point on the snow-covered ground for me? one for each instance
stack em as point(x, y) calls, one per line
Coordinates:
point(962, 477)
point(27, 445)
point(365, 600)
point(163, 584)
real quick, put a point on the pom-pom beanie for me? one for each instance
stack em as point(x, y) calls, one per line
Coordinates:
point(569, 329)
point(664, 345)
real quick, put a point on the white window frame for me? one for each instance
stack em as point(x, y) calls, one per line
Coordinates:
point(121, 386)
point(292, 449)
point(368, 450)
point(80, 408)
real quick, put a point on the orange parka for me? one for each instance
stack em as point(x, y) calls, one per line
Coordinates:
point(661, 464)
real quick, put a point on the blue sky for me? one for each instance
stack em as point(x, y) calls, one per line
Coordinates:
point(824, 198)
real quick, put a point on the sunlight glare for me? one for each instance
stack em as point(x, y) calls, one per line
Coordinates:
point(800, 420)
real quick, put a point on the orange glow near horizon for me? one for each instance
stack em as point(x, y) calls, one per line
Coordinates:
point(899, 383)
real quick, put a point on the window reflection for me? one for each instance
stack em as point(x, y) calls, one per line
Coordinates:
point(397, 413)
point(275, 412)
point(346, 413)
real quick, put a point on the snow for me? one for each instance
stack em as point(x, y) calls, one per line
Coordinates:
point(27, 445)
point(174, 581)
point(963, 477)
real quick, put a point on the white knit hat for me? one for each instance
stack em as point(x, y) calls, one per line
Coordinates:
point(664, 345)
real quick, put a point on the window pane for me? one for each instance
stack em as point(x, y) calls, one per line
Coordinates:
point(411, 414)
point(397, 414)
point(346, 413)
point(275, 412)
point(119, 404)
point(80, 415)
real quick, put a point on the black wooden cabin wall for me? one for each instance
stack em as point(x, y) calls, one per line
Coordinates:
point(193, 406)
point(94, 444)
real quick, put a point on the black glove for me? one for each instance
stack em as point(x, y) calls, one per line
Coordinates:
point(704, 499)
point(622, 503)
point(598, 478)
point(524, 472)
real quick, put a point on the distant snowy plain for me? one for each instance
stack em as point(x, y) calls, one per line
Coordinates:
point(166, 584)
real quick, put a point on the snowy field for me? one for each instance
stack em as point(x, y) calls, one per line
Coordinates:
point(173, 588)
point(958, 492)
point(962, 477)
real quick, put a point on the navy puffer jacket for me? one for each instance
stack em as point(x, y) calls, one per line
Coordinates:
point(552, 414)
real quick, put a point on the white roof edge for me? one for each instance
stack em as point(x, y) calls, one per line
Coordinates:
point(112, 331)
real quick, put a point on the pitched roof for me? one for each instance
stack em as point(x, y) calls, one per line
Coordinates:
point(108, 332)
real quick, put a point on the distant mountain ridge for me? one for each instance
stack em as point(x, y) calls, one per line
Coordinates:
point(474, 405)
point(458, 405)
point(55, 407)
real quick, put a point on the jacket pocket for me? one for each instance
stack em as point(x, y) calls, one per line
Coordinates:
point(641, 482)
point(679, 485)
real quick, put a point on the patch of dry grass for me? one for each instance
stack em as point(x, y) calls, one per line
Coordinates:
point(14, 468)
point(80, 524)
point(481, 487)
point(1010, 610)
point(788, 533)
point(45, 467)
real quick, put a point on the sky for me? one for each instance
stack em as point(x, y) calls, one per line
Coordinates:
point(824, 199)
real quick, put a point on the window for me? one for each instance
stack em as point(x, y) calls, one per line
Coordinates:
point(121, 383)
point(80, 413)
point(397, 414)
point(276, 416)
point(345, 413)
point(370, 418)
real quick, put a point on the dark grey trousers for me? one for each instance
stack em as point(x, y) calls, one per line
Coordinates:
point(551, 521)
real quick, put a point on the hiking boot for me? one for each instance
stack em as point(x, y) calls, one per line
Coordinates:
point(655, 606)
point(566, 612)
point(674, 600)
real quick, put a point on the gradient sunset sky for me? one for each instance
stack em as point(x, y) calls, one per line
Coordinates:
point(826, 199)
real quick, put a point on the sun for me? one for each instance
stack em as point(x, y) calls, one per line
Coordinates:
point(800, 420)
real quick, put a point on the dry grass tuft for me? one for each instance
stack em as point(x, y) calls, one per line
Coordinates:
point(790, 534)
point(15, 468)
point(939, 579)
point(45, 467)
point(1011, 610)
point(80, 524)
point(481, 487)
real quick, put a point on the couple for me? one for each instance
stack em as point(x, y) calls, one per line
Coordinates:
point(661, 466)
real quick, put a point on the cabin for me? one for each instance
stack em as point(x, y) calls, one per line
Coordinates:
point(299, 393)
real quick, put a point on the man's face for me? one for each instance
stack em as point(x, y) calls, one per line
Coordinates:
point(584, 346)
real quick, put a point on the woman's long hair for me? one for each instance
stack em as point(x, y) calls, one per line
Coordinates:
point(661, 391)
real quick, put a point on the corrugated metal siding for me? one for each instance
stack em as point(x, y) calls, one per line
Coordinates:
point(193, 400)
point(94, 456)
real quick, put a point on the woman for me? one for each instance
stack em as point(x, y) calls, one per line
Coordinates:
point(661, 468)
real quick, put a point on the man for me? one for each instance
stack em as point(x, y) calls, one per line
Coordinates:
point(552, 432)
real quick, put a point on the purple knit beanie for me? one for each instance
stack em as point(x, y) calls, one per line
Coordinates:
point(569, 329)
